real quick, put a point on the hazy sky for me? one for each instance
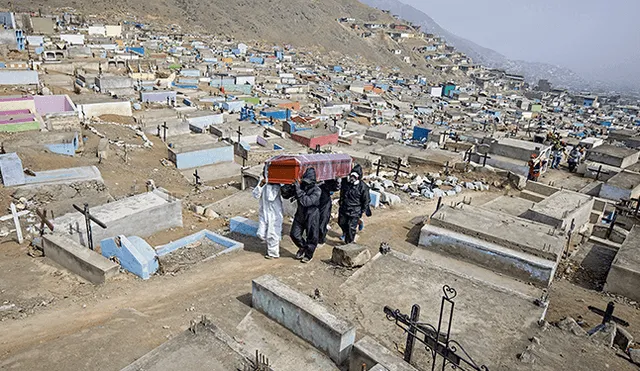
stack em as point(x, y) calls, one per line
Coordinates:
point(595, 38)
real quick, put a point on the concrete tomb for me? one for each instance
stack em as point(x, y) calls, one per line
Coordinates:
point(515, 246)
point(78, 259)
point(140, 215)
point(305, 317)
point(192, 151)
point(613, 156)
point(561, 209)
point(623, 186)
point(624, 275)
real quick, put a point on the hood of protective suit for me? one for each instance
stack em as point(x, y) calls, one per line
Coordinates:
point(309, 176)
point(358, 170)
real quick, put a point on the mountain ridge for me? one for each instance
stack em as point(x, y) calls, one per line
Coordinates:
point(532, 71)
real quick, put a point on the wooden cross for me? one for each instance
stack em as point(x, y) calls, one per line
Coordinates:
point(398, 168)
point(165, 127)
point(244, 158)
point(378, 166)
point(16, 221)
point(484, 160)
point(239, 134)
point(43, 220)
point(88, 219)
point(197, 177)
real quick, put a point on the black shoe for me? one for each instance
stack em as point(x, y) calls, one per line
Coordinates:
point(300, 254)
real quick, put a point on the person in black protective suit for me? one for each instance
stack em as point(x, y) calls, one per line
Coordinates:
point(328, 187)
point(354, 202)
point(306, 223)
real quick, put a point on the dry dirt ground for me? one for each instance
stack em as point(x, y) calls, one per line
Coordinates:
point(60, 322)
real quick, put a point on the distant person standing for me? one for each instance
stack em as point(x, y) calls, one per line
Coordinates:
point(328, 187)
point(354, 202)
point(270, 216)
point(535, 167)
point(306, 223)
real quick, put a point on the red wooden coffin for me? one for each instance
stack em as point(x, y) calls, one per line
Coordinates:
point(286, 169)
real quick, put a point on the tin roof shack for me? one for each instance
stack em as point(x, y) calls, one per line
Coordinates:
point(613, 156)
point(315, 138)
point(192, 151)
point(623, 186)
point(630, 138)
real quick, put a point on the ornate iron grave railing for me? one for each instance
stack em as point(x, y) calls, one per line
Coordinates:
point(437, 340)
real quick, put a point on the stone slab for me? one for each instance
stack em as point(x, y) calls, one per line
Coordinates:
point(350, 255)
point(305, 317)
point(373, 354)
point(624, 275)
point(204, 347)
point(78, 259)
point(11, 170)
point(515, 206)
point(65, 176)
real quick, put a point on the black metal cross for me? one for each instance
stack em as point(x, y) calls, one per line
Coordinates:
point(197, 177)
point(607, 315)
point(437, 339)
point(88, 219)
point(335, 121)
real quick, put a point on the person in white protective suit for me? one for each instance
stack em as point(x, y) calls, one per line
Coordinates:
point(270, 214)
